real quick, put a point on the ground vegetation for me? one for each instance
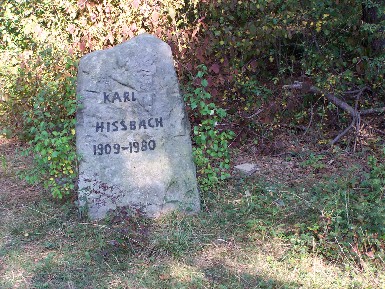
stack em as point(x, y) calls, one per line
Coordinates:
point(295, 86)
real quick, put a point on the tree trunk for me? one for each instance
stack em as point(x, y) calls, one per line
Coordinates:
point(373, 13)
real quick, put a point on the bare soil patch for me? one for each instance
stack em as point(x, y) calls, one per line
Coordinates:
point(13, 190)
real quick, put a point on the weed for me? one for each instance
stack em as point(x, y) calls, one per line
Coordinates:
point(351, 214)
point(4, 164)
point(314, 161)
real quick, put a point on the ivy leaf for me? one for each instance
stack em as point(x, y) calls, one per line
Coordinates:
point(204, 83)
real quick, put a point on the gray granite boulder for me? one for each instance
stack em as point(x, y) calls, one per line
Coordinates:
point(132, 133)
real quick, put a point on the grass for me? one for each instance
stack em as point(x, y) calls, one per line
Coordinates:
point(251, 233)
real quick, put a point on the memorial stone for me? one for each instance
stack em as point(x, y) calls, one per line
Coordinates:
point(132, 133)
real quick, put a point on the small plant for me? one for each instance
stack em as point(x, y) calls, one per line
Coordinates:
point(4, 165)
point(211, 150)
point(314, 161)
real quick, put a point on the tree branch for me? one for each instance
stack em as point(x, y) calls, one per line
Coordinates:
point(335, 100)
point(373, 111)
point(354, 112)
point(345, 131)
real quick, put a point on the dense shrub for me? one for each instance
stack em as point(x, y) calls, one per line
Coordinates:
point(43, 103)
point(250, 48)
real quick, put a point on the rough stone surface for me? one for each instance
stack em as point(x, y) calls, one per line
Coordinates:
point(246, 168)
point(132, 132)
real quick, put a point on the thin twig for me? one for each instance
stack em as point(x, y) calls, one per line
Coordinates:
point(358, 129)
point(358, 91)
point(236, 137)
point(355, 91)
point(310, 121)
point(95, 225)
point(259, 110)
point(358, 121)
point(373, 111)
point(345, 131)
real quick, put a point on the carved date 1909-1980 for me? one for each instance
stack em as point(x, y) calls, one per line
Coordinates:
point(132, 147)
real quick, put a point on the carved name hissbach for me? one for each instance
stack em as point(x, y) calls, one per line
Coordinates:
point(122, 125)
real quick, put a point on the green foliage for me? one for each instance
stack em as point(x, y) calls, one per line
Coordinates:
point(314, 161)
point(43, 100)
point(344, 52)
point(211, 150)
point(352, 213)
point(38, 82)
point(249, 48)
point(275, 42)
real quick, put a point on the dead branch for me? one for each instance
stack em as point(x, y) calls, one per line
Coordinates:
point(255, 113)
point(373, 111)
point(310, 121)
point(335, 100)
point(355, 113)
point(345, 131)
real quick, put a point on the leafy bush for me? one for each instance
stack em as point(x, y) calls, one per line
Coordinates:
point(43, 101)
point(247, 47)
point(211, 150)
